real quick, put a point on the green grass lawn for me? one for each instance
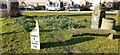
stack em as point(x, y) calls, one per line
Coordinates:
point(14, 40)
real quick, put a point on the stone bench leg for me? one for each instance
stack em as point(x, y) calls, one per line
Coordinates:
point(110, 36)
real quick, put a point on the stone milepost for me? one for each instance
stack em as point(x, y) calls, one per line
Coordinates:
point(35, 38)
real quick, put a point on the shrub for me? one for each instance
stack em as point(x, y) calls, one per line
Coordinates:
point(26, 24)
point(61, 22)
point(50, 22)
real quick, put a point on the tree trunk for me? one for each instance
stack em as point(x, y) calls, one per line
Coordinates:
point(10, 9)
point(4, 10)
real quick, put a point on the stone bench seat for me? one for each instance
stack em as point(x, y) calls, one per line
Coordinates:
point(100, 31)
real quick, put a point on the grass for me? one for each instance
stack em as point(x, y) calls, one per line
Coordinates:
point(14, 40)
point(76, 16)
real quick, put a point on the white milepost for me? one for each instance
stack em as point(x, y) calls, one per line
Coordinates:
point(35, 39)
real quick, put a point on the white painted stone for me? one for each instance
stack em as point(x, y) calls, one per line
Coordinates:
point(95, 22)
point(35, 38)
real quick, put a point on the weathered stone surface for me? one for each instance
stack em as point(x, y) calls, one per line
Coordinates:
point(99, 31)
point(97, 16)
point(110, 36)
point(95, 19)
point(108, 23)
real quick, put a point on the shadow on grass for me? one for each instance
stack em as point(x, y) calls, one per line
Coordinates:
point(104, 35)
point(116, 36)
point(47, 30)
point(117, 28)
point(65, 43)
point(84, 34)
point(9, 33)
point(26, 16)
point(89, 14)
point(35, 16)
point(111, 14)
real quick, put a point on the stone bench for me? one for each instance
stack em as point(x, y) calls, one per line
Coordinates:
point(100, 31)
